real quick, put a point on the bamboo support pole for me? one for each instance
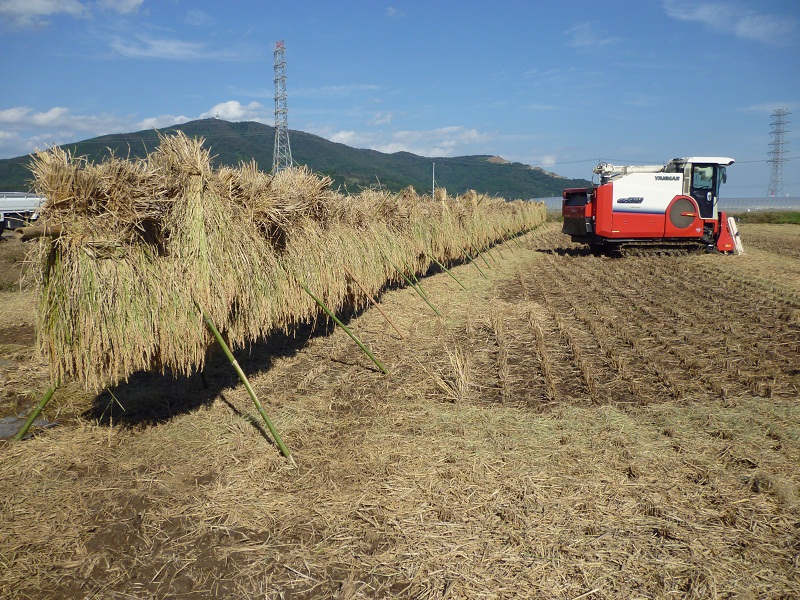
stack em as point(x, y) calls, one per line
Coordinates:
point(374, 302)
point(483, 258)
point(226, 349)
point(469, 258)
point(513, 237)
point(35, 414)
point(411, 283)
point(345, 327)
point(487, 249)
point(414, 278)
point(446, 270)
point(36, 231)
point(496, 248)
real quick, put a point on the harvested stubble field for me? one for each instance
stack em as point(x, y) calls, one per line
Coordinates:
point(572, 427)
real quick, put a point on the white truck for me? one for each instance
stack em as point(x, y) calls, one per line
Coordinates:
point(18, 209)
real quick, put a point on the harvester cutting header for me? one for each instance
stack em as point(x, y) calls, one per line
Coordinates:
point(658, 207)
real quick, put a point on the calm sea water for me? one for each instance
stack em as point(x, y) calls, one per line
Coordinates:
point(726, 204)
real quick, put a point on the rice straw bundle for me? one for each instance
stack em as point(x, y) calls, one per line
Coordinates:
point(145, 240)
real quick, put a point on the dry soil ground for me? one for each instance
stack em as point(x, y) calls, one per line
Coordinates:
point(571, 427)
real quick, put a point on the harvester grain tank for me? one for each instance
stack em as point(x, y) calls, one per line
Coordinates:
point(659, 207)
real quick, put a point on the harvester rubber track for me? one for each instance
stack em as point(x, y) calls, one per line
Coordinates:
point(659, 248)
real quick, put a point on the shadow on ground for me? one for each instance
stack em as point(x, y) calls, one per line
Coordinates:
point(149, 398)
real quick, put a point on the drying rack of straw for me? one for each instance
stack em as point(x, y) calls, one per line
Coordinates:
point(143, 263)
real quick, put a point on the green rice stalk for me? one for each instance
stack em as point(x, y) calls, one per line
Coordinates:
point(446, 270)
point(345, 327)
point(35, 414)
point(276, 436)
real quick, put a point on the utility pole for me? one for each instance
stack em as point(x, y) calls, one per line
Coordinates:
point(282, 153)
point(778, 128)
point(433, 183)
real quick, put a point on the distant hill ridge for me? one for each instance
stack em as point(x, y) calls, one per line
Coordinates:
point(350, 168)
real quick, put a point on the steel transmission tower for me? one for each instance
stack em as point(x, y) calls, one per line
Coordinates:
point(282, 154)
point(778, 128)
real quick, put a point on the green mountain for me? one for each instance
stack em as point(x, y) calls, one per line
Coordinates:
point(350, 168)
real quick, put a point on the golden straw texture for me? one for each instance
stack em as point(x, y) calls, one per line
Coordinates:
point(143, 240)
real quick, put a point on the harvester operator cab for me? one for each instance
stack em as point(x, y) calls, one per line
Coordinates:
point(704, 180)
point(705, 188)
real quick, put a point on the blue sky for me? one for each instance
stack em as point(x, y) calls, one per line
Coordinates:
point(558, 85)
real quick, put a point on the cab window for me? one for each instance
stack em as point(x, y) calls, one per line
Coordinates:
point(703, 177)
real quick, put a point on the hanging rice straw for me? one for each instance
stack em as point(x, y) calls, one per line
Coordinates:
point(413, 277)
point(374, 302)
point(512, 237)
point(142, 240)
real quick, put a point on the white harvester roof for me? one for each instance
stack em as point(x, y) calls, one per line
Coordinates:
point(715, 160)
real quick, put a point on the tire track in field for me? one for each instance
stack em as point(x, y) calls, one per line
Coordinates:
point(673, 335)
point(755, 338)
point(645, 328)
point(617, 307)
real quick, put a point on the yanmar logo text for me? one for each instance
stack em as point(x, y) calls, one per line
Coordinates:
point(631, 200)
point(668, 177)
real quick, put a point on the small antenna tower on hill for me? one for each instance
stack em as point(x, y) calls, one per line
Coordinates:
point(282, 154)
point(778, 128)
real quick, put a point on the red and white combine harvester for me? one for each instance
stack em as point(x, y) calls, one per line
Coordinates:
point(661, 208)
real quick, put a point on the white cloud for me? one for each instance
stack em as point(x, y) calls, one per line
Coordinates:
point(197, 18)
point(23, 129)
point(160, 121)
point(232, 110)
point(394, 13)
point(586, 35)
point(737, 18)
point(443, 141)
point(381, 118)
point(547, 160)
point(768, 107)
point(120, 6)
point(170, 49)
point(351, 138)
point(19, 117)
point(10, 142)
point(34, 13)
